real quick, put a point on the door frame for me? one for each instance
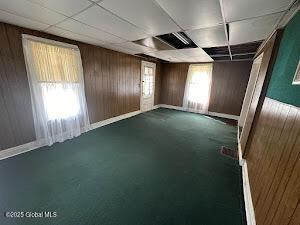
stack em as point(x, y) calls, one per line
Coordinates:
point(150, 64)
point(270, 50)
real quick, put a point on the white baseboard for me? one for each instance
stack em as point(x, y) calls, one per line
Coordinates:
point(34, 144)
point(10, 152)
point(222, 115)
point(240, 154)
point(114, 119)
point(250, 214)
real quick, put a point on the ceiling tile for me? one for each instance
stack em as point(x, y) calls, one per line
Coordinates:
point(160, 55)
point(193, 14)
point(253, 29)
point(192, 52)
point(237, 10)
point(208, 37)
point(21, 21)
point(31, 11)
point(73, 36)
point(119, 49)
point(104, 20)
point(80, 28)
point(173, 53)
point(143, 13)
point(134, 47)
point(66, 7)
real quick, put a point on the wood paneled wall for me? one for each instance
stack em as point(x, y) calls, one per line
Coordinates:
point(112, 84)
point(229, 83)
point(173, 83)
point(274, 165)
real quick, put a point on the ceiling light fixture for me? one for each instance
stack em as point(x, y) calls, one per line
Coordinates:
point(181, 38)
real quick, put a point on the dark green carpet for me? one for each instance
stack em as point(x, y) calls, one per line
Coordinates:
point(158, 168)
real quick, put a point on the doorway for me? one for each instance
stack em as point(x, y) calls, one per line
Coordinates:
point(148, 85)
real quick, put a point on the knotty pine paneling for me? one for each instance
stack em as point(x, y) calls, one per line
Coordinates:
point(274, 164)
point(228, 88)
point(112, 84)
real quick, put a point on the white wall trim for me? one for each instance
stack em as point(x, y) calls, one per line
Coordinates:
point(250, 214)
point(222, 115)
point(10, 152)
point(114, 119)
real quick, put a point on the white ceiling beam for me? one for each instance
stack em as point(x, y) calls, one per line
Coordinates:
point(225, 27)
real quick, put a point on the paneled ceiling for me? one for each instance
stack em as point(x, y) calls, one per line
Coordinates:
point(114, 24)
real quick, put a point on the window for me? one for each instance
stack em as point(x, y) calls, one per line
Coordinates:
point(197, 89)
point(57, 89)
point(148, 81)
point(58, 77)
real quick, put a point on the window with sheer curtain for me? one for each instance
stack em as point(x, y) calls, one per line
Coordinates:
point(57, 89)
point(197, 88)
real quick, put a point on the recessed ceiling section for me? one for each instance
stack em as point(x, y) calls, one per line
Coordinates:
point(208, 37)
point(193, 14)
point(134, 47)
point(101, 19)
point(245, 48)
point(243, 56)
point(150, 57)
point(217, 51)
point(178, 40)
point(144, 14)
point(235, 10)
point(253, 29)
point(155, 43)
point(221, 58)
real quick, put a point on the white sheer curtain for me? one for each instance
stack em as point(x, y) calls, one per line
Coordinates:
point(57, 89)
point(197, 88)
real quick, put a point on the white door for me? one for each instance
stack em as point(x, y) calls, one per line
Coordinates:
point(148, 85)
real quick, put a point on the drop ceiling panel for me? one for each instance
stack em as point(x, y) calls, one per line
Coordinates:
point(197, 59)
point(80, 28)
point(253, 29)
point(186, 55)
point(242, 9)
point(208, 37)
point(193, 52)
point(173, 53)
point(143, 13)
point(134, 47)
point(104, 20)
point(193, 14)
point(31, 11)
point(21, 21)
point(160, 55)
point(119, 49)
point(73, 36)
point(66, 7)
